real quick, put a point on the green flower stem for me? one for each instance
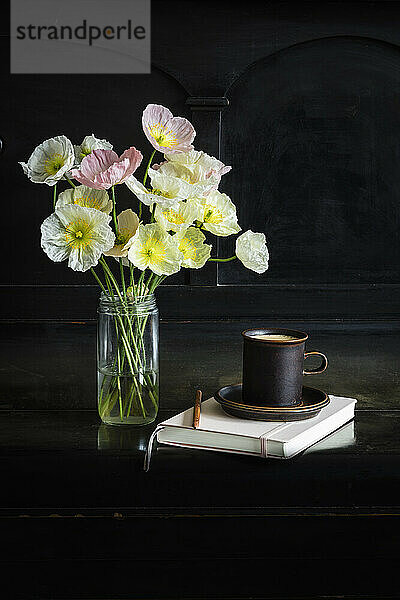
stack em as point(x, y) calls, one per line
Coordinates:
point(156, 282)
point(114, 210)
point(148, 167)
point(222, 259)
point(140, 284)
point(111, 276)
point(146, 286)
point(127, 337)
point(98, 280)
point(148, 282)
point(121, 268)
point(54, 195)
point(145, 179)
point(124, 337)
point(128, 410)
point(107, 401)
point(152, 282)
point(108, 281)
point(109, 285)
point(115, 284)
point(132, 278)
point(69, 181)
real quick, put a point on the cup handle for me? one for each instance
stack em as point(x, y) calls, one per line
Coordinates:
point(321, 368)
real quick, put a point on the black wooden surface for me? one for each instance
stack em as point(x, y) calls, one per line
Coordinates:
point(84, 521)
point(67, 462)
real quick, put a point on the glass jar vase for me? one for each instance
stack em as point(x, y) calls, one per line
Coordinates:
point(127, 360)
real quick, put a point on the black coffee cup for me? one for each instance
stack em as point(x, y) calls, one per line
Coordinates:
point(273, 366)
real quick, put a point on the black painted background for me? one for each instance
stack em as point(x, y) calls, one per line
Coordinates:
point(312, 130)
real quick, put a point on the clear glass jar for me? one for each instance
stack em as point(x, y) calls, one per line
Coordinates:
point(127, 360)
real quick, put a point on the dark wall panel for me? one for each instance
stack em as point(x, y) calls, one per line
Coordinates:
point(313, 133)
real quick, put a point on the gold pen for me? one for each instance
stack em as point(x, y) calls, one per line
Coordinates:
point(197, 409)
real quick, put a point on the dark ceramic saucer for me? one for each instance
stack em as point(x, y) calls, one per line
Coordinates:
point(230, 398)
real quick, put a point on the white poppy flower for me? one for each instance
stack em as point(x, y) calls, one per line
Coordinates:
point(50, 161)
point(77, 233)
point(166, 132)
point(210, 164)
point(218, 214)
point(90, 143)
point(85, 196)
point(128, 222)
point(177, 219)
point(154, 248)
point(191, 244)
point(167, 191)
point(198, 181)
point(252, 251)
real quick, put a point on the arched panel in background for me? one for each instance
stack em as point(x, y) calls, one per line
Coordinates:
point(313, 134)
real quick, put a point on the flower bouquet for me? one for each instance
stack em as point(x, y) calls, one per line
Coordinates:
point(131, 253)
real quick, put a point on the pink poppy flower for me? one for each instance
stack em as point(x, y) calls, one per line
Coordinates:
point(102, 169)
point(165, 132)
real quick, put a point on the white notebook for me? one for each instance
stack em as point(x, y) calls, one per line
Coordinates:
point(219, 431)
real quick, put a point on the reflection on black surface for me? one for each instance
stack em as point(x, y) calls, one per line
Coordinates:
point(122, 438)
point(341, 438)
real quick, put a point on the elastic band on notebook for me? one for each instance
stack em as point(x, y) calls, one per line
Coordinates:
point(264, 446)
point(265, 436)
